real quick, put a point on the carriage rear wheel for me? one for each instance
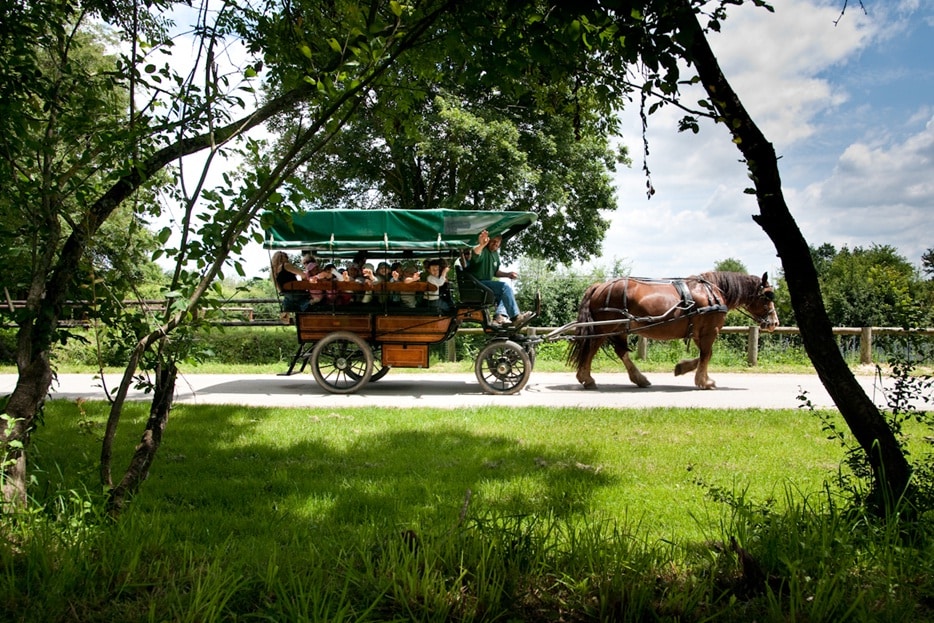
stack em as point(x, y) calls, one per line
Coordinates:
point(342, 362)
point(503, 367)
point(379, 370)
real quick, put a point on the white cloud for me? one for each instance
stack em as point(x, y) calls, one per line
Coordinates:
point(855, 163)
point(880, 193)
point(774, 61)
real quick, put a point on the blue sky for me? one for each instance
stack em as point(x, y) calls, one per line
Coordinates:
point(850, 110)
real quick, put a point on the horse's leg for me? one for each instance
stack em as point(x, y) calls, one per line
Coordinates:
point(621, 346)
point(705, 346)
point(583, 368)
point(685, 365)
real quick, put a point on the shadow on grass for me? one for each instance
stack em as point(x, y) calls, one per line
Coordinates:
point(223, 471)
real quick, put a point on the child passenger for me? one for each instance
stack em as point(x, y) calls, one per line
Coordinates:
point(369, 279)
point(408, 274)
point(438, 277)
point(395, 272)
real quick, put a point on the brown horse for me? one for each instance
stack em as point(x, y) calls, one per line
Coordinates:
point(669, 309)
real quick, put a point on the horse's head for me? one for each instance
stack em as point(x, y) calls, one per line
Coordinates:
point(762, 306)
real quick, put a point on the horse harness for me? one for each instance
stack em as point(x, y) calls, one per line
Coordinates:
point(687, 305)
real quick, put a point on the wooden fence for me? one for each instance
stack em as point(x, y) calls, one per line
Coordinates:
point(244, 313)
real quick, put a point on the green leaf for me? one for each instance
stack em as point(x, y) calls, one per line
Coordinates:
point(396, 8)
point(304, 49)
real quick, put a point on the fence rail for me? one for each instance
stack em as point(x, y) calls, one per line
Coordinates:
point(246, 315)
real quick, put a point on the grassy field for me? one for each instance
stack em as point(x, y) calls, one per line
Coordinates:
point(472, 514)
point(438, 515)
point(341, 468)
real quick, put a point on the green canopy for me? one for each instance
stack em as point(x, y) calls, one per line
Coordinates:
point(394, 232)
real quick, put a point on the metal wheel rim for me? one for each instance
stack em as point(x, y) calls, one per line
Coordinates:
point(342, 363)
point(503, 367)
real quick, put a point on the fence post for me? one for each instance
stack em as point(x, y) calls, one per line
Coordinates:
point(642, 347)
point(865, 345)
point(752, 346)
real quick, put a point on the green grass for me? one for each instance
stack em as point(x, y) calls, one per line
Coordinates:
point(340, 468)
point(465, 514)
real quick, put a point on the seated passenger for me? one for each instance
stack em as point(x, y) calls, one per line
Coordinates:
point(351, 274)
point(438, 277)
point(395, 271)
point(484, 265)
point(369, 279)
point(283, 271)
point(409, 275)
point(310, 262)
point(383, 275)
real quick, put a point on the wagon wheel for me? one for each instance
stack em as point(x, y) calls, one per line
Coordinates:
point(379, 370)
point(341, 362)
point(503, 367)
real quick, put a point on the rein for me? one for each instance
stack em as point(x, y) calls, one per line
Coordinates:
point(758, 320)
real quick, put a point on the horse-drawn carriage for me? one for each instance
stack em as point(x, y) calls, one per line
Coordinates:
point(350, 344)
point(360, 330)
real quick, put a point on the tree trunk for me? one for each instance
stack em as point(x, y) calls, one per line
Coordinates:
point(891, 469)
point(24, 405)
point(145, 454)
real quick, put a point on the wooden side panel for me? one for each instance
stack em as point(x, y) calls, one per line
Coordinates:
point(313, 327)
point(412, 329)
point(405, 355)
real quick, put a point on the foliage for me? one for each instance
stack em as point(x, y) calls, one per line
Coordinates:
point(870, 287)
point(488, 520)
point(44, 199)
point(865, 287)
point(442, 132)
point(731, 264)
point(559, 286)
point(911, 392)
point(927, 262)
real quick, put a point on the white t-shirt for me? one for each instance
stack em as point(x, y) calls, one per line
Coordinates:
point(437, 282)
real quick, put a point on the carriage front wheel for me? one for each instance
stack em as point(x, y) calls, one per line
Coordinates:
point(503, 367)
point(342, 362)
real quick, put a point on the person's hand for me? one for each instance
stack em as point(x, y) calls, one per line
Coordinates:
point(512, 275)
point(483, 238)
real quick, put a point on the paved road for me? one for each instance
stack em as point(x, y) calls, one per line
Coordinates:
point(430, 389)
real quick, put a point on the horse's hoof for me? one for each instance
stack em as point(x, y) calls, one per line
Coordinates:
point(590, 385)
point(679, 370)
point(644, 384)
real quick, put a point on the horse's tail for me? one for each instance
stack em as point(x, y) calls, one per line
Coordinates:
point(582, 345)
